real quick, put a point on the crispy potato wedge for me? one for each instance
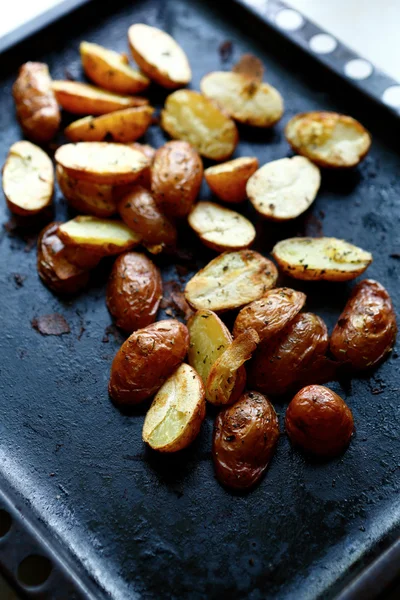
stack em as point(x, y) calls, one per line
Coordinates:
point(269, 315)
point(104, 236)
point(84, 99)
point(177, 412)
point(111, 71)
point(123, 126)
point(192, 117)
point(283, 189)
point(100, 162)
point(228, 180)
point(324, 258)
point(367, 329)
point(220, 228)
point(328, 139)
point(35, 102)
point(86, 197)
point(159, 56)
point(230, 281)
point(28, 179)
point(243, 98)
point(221, 386)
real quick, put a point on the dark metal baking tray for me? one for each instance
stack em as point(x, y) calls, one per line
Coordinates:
point(115, 519)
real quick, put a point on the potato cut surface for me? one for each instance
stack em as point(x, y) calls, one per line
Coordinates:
point(122, 126)
point(228, 180)
point(103, 234)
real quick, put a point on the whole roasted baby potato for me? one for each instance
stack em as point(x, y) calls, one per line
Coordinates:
point(366, 330)
point(134, 291)
point(245, 436)
point(146, 360)
point(86, 197)
point(122, 126)
point(319, 421)
point(228, 180)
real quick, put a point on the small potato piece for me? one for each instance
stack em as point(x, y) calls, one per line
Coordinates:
point(324, 258)
point(177, 412)
point(146, 360)
point(245, 436)
point(228, 180)
point(283, 189)
point(159, 56)
point(122, 126)
point(220, 228)
point(328, 139)
point(84, 99)
point(176, 177)
point(100, 162)
point(192, 117)
point(243, 98)
point(319, 421)
point(366, 330)
point(231, 280)
point(111, 71)
point(134, 291)
point(104, 236)
point(36, 105)
point(87, 197)
point(28, 179)
point(269, 315)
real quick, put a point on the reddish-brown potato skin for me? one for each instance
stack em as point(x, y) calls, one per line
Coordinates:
point(147, 358)
point(278, 365)
point(269, 315)
point(176, 177)
point(245, 436)
point(134, 291)
point(319, 421)
point(367, 329)
point(35, 102)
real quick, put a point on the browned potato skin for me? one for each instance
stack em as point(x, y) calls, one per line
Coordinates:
point(134, 291)
point(147, 358)
point(35, 102)
point(319, 421)
point(367, 329)
point(231, 186)
point(79, 202)
point(177, 173)
point(269, 315)
point(278, 365)
point(245, 436)
point(56, 272)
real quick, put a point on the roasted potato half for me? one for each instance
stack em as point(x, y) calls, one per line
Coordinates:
point(230, 281)
point(328, 139)
point(111, 70)
point(123, 126)
point(146, 360)
point(367, 329)
point(323, 258)
point(35, 102)
point(177, 412)
point(192, 117)
point(220, 228)
point(28, 179)
point(283, 189)
point(86, 197)
point(245, 436)
point(228, 180)
point(159, 56)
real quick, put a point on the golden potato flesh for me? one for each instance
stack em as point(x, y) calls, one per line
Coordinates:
point(328, 139)
point(243, 98)
point(105, 236)
point(220, 228)
point(228, 180)
point(283, 189)
point(86, 197)
point(177, 412)
point(192, 117)
point(322, 258)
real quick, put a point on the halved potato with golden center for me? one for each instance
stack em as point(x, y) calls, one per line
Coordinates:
point(86, 197)
point(105, 236)
point(243, 98)
point(192, 117)
point(159, 56)
point(328, 139)
point(111, 70)
point(220, 228)
point(283, 189)
point(228, 180)
point(100, 162)
point(231, 280)
point(322, 258)
point(177, 412)
point(28, 179)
